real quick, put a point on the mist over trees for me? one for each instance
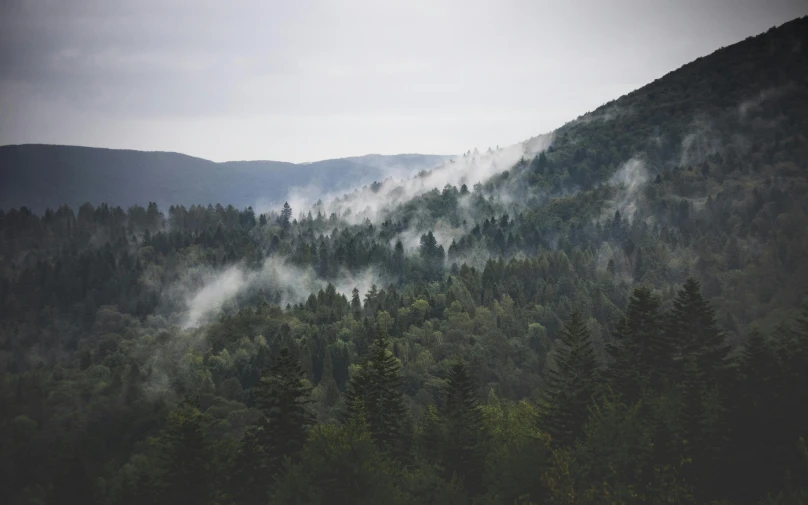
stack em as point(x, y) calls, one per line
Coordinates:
point(618, 319)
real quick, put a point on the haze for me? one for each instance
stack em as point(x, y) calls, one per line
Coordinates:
point(308, 80)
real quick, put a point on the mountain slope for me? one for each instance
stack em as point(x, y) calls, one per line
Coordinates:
point(42, 176)
point(645, 240)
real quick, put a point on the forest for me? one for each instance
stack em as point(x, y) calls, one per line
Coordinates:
point(615, 315)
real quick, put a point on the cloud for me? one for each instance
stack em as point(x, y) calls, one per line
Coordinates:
point(375, 202)
point(629, 180)
point(765, 95)
point(281, 281)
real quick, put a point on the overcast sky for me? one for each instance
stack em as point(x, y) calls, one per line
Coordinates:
point(305, 80)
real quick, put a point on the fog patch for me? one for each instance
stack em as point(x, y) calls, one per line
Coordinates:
point(375, 201)
point(282, 283)
point(629, 181)
point(753, 104)
point(701, 142)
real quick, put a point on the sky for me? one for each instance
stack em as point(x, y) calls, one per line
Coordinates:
point(302, 80)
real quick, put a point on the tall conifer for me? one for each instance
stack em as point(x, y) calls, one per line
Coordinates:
point(572, 385)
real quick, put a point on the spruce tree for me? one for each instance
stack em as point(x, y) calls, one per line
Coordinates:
point(375, 393)
point(692, 327)
point(282, 395)
point(285, 218)
point(464, 429)
point(185, 459)
point(356, 304)
point(640, 352)
point(572, 385)
point(248, 476)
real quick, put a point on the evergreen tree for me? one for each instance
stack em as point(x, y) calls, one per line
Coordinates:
point(462, 455)
point(282, 395)
point(692, 328)
point(375, 393)
point(398, 261)
point(640, 351)
point(185, 459)
point(356, 304)
point(572, 385)
point(285, 218)
point(248, 477)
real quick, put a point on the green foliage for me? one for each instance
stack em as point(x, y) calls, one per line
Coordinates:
point(282, 395)
point(663, 228)
point(377, 398)
point(185, 459)
point(572, 385)
point(340, 465)
point(642, 353)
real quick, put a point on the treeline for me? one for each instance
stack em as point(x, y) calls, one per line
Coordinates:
point(668, 415)
point(536, 338)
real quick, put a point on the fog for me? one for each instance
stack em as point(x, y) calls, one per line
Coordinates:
point(279, 280)
point(374, 202)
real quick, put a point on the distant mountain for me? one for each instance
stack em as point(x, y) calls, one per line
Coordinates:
point(46, 176)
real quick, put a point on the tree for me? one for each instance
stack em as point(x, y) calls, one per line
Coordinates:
point(247, 478)
point(356, 304)
point(571, 385)
point(375, 394)
point(692, 327)
point(339, 465)
point(641, 354)
point(185, 459)
point(463, 420)
point(285, 218)
point(282, 395)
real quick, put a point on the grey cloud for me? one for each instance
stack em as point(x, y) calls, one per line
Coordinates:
point(134, 74)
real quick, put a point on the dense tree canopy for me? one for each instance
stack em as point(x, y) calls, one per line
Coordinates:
point(617, 319)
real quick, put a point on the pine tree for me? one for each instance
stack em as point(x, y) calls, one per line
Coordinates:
point(691, 326)
point(285, 217)
point(640, 350)
point(185, 459)
point(282, 395)
point(375, 393)
point(356, 304)
point(464, 429)
point(572, 385)
point(398, 261)
point(248, 477)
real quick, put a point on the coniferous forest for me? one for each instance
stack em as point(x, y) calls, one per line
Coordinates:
point(618, 318)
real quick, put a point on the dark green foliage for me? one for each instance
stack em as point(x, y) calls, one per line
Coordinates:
point(692, 327)
point(281, 395)
point(249, 478)
point(462, 456)
point(185, 459)
point(101, 328)
point(572, 385)
point(375, 396)
point(453, 440)
point(641, 352)
point(341, 466)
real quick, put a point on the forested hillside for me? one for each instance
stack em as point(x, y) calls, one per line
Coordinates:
point(47, 176)
point(607, 314)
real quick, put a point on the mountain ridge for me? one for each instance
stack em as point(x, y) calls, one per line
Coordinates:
point(41, 176)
